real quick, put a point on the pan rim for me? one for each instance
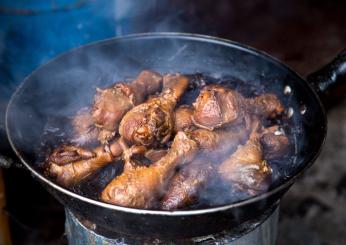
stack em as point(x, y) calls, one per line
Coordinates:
point(196, 37)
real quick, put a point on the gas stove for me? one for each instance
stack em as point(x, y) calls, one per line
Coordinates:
point(260, 231)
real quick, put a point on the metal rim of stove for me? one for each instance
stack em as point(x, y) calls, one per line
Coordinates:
point(260, 220)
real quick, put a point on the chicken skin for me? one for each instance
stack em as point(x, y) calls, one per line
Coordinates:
point(84, 130)
point(219, 142)
point(245, 168)
point(140, 187)
point(70, 164)
point(265, 105)
point(217, 106)
point(182, 118)
point(215, 145)
point(152, 123)
point(111, 104)
point(185, 185)
point(275, 143)
point(74, 172)
point(63, 155)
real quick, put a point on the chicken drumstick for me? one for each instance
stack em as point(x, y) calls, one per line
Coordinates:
point(151, 123)
point(275, 142)
point(112, 103)
point(139, 187)
point(185, 185)
point(217, 106)
point(246, 168)
point(215, 145)
point(70, 164)
point(78, 157)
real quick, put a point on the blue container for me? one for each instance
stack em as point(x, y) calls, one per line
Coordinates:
point(34, 31)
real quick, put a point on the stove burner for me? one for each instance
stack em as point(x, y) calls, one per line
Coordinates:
point(259, 231)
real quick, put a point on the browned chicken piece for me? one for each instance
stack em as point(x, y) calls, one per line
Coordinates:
point(140, 187)
point(275, 143)
point(182, 118)
point(217, 106)
point(84, 130)
point(155, 154)
point(151, 123)
point(72, 173)
point(141, 152)
point(265, 105)
point(217, 144)
point(185, 185)
point(64, 154)
point(105, 136)
point(112, 103)
point(245, 168)
point(131, 155)
point(69, 164)
point(220, 142)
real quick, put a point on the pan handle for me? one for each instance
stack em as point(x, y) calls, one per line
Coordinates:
point(330, 81)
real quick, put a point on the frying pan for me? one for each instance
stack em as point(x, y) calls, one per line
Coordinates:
point(67, 82)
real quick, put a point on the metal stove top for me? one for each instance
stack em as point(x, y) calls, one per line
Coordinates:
point(259, 231)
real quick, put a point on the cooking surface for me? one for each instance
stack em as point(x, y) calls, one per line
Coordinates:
point(305, 35)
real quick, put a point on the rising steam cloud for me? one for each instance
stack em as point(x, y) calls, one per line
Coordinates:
point(69, 83)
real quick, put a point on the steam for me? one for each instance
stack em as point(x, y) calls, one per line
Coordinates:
point(64, 86)
point(164, 16)
point(69, 83)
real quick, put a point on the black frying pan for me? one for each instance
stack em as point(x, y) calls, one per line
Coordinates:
point(67, 82)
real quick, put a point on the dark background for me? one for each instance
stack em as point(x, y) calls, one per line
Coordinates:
point(305, 34)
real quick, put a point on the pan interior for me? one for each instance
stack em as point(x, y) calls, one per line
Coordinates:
point(67, 83)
